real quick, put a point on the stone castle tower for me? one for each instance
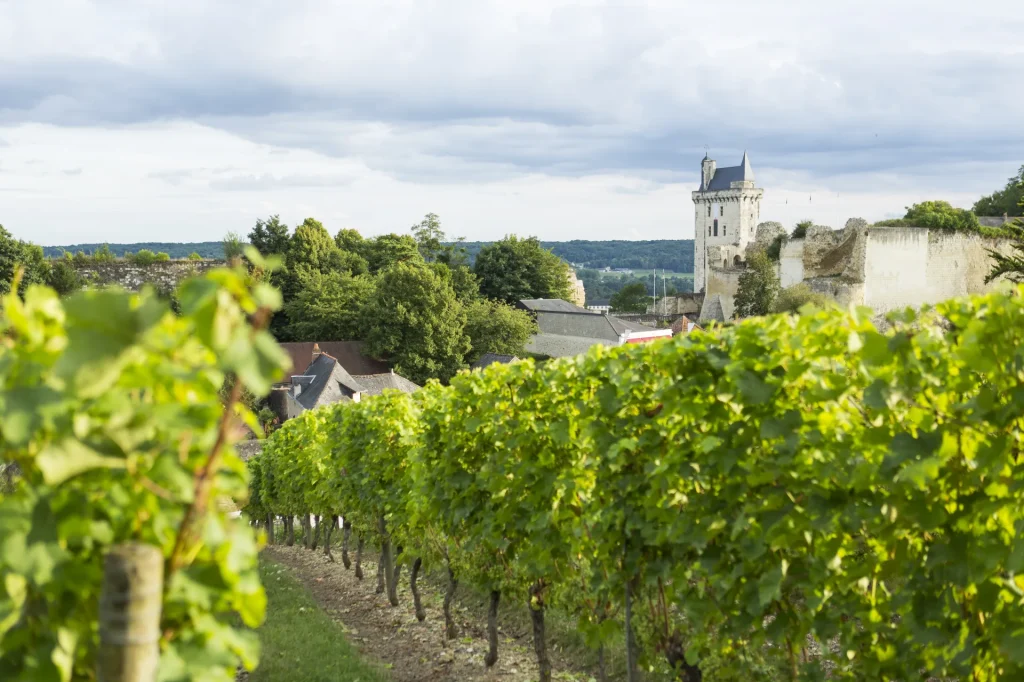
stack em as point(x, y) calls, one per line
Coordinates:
point(728, 209)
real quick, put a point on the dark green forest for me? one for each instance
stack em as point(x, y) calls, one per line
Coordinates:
point(675, 255)
point(177, 251)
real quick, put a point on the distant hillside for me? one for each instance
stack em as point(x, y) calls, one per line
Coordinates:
point(174, 250)
point(675, 255)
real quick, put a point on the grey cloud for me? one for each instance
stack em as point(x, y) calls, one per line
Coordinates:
point(570, 91)
point(267, 182)
point(173, 176)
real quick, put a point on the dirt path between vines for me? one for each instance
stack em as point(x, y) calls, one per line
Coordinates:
point(411, 651)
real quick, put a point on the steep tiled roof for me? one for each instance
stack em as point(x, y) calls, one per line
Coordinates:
point(491, 358)
point(558, 345)
point(723, 177)
point(329, 383)
point(348, 353)
point(375, 384)
point(553, 305)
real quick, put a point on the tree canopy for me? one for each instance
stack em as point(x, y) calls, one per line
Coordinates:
point(632, 298)
point(270, 236)
point(1007, 201)
point(496, 327)
point(935, 214)
point(514, 269)
point(414, 321)
point(758, 286)
point(14, 253)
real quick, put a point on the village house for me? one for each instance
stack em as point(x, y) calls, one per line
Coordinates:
point(565, 329)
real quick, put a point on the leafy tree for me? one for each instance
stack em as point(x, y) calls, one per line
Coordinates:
point(103, 255)
point(429, 237)
point(270, 236)
point(144, 257)
point(328, 306)
point(800, 231)
point(414, 321)
point(63, 277)
point(461, 279)
point(14, 253)
point(350, 240)
point(496, 327)
point(935, 214)
point(774, 250)
point(632, 298)
point(792, 299)
point(1011, 265)
point(233, 246)
point(194, 256)
point(389, 249)
point(758, 286)
point(162, 257)
point(1007, 201)
point(514, 269)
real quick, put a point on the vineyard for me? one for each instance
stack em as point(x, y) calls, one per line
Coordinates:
point(802, 495)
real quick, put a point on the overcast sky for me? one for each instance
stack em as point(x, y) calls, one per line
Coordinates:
point(138, 120)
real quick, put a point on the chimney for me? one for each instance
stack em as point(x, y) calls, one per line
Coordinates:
point(316, 351)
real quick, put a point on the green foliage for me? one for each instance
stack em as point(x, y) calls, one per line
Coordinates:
point(270, 236)
point(632, 298)
point(162, 257)
point(350, 240)
point(782, 479)
point(144, 257)
point(673, 255)
point(794, 298)
point(935, 214)
point(496, 327)
point(194, 257)
point(414, 321)
point(758, 286)
point(63, 277)
point(328, 307)
point(388, 250)
point(1009, 264)
point(514, 269)
point(16, 253)
point(800, 231)
point(103, 254)
point(233, 246)
point(110, 407)
point(774, 250)
point(429, 237)
point(1008, 201)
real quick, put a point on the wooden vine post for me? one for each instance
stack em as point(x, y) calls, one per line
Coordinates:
point(129, 616)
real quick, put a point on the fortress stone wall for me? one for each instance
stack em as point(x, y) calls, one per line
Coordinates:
point(884, 268)
point(164, 276)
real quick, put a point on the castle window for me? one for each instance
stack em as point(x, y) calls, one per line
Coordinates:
point(709, 230)
point(716, 227)
point(724, 230)
point(709, 210)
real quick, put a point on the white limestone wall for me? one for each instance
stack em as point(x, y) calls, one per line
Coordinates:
point(791, 263)
point(914, 266)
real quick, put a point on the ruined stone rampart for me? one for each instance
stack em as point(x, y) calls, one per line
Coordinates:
point(164, 276)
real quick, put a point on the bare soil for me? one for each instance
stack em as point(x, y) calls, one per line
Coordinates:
point(410, 650)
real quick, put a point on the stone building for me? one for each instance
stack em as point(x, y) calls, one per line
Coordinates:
point(727, 210)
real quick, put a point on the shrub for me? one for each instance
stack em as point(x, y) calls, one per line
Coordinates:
point(144, 257)
point(792, 299)
point(800, 231)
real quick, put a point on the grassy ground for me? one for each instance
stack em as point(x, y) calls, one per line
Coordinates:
point(300, 643)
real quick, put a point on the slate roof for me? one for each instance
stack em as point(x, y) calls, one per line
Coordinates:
point(328, 383)
point(375, 384)
point(553, 305)
point(723, 177)
point(624, 327)
point(491, 358)
point(559, 346)
point(716, 308)
point(349, 353)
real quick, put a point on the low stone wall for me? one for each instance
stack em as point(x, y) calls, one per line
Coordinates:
point(164, 276)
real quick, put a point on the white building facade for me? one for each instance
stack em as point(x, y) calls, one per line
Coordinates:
point(727, 210)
